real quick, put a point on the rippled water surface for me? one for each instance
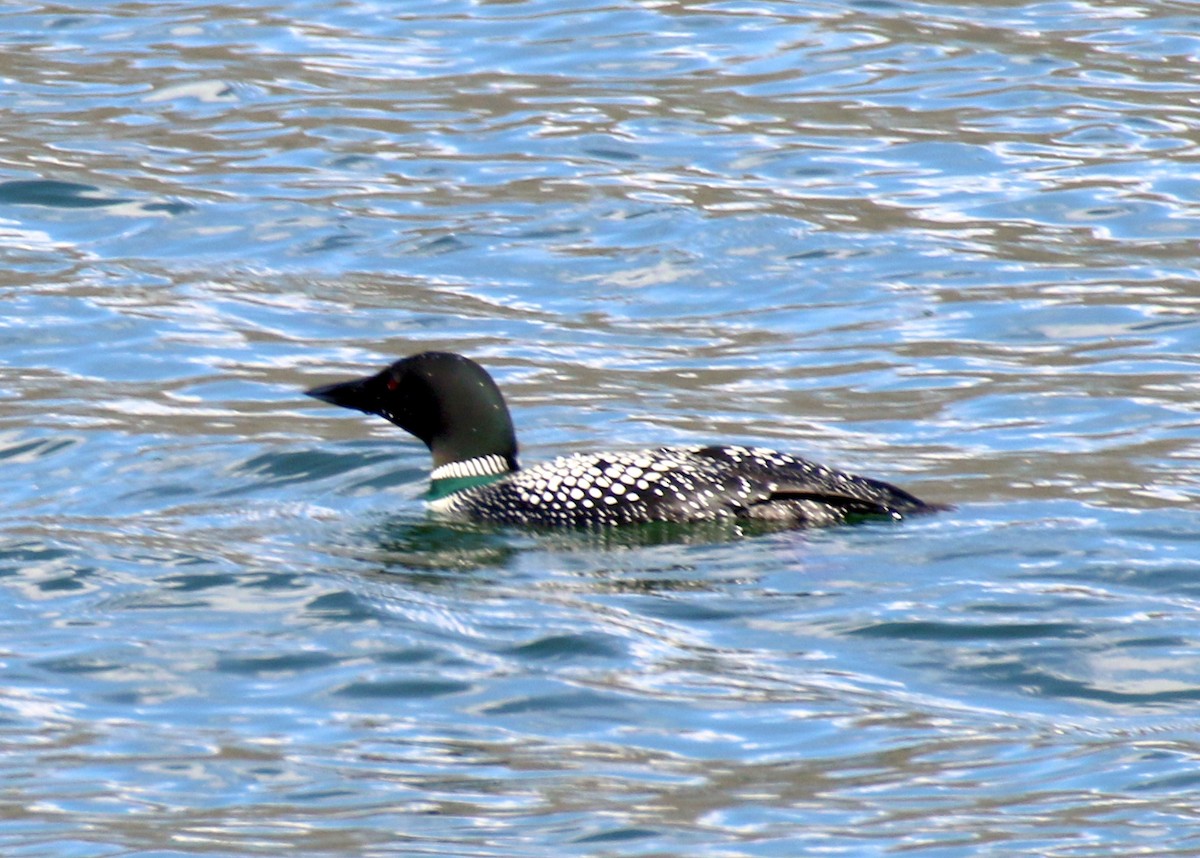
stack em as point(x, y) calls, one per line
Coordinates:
point(952, 246)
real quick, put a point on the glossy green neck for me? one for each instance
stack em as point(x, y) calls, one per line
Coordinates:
point(439, 489)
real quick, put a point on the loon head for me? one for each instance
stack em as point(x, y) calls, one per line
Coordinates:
point(445, 399)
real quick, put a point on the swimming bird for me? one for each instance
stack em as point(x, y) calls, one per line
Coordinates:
point(453, 405)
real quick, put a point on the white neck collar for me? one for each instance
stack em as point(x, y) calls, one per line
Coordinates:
point(482, 466)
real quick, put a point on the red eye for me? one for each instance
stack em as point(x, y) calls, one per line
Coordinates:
point(392, 384)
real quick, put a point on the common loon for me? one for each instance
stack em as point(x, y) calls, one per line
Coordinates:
point(453, 405)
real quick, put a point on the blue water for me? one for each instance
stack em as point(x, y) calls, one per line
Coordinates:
point(954, 247)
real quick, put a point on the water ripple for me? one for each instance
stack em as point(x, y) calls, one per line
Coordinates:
point(954, 250)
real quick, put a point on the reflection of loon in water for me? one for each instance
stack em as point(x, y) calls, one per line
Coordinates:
point(455, 407)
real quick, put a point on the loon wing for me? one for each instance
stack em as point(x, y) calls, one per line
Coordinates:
point(862, 497)
point(785, 486)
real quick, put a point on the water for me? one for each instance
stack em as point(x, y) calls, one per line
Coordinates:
point(950, 246)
